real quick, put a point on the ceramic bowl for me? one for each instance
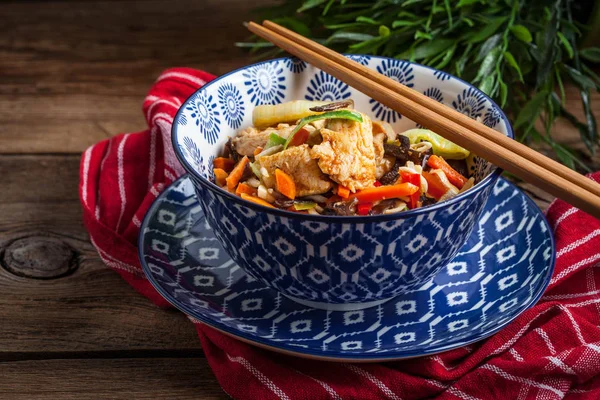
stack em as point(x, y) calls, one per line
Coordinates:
point(332, 262)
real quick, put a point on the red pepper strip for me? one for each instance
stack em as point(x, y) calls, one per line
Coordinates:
point(300, 137)
point(453, 176)
point(377, 184)
point(385, 192)
point(364, 208)
point(435, 186)
point(415, 179)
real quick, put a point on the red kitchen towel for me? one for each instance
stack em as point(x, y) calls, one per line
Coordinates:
point(551, 351)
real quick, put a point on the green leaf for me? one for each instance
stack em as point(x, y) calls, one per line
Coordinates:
point(531, 111)
point(566, 44)
point(592, 75)
point(521, 33)
point(581, 80)
point(449, 12)
point(561, 87)
point(488, 84)
point(384, 31)
point(487, 46)
point(490, 28)
point(369, 46)
point(327, 7)
point(422, 35)
point(399, 23)
point(308, 4)
point(351, 36)
point(447, 58)
point(591, 54)
point(463, 3)
point(427, 49)
point(294, 24)
point(488, 64)
point(503, 93)
point(513, 63)
point(254, 45)
point(409, 2)
point(366, 20)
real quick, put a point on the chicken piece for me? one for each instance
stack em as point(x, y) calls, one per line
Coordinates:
point(347, 153)
point(296, 162)
point(249, 139)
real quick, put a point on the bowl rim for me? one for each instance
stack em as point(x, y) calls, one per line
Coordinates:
point(196, 177)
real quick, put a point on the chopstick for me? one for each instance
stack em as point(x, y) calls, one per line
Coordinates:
point(439, 108)
point(487, 143)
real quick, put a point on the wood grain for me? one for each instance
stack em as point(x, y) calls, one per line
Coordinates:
point(148, 378)
point(91, 309)
point(75, 72)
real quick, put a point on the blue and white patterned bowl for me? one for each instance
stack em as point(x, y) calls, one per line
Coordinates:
point(329, 261)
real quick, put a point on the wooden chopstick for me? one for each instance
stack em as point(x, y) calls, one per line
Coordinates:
point(493, 150)
point(441, 109)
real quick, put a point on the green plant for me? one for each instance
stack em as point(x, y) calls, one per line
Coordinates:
point(518, 52)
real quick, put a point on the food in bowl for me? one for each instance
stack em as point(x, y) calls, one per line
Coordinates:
point(325, 158)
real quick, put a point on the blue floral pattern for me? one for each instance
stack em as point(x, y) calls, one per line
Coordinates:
point(471, 103)
point(204, 111)
point(435, 94)
point(325, 87)
point(232, 105)
point(295, 65)
point(265, 83)
point(193, 153)
point(364, 60)
point(492, 117)
point(441, 75)
point(400, 71)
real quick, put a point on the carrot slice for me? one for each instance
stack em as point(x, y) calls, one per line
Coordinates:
point(256, 200)
point(453, 176)
point(343, 192)
point(244, 188)
point(225, 164)
point(300, 137)
point(220, 176)
point(285, 184)
point(435, 186)
point(385, 192)
point(236, 174)
point(257, 151)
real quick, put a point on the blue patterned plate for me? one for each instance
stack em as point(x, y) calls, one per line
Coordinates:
point(501, 271)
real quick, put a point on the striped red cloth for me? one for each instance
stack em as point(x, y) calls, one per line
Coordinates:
point(552, 351)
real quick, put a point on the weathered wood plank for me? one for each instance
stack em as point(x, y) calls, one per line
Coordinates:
point(91, 308)
point(146, 378)
point(76, 72)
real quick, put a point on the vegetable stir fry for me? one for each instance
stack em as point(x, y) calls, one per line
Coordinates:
point(328, 159)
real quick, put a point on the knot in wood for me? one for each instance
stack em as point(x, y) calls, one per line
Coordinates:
point(39, 257)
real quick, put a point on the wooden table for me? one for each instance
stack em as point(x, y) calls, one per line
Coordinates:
point(73, 73)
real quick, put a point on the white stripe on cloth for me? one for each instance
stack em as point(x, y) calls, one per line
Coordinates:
point(136, 221)
point(121, 176)
point(515, 354)
point(331, 391)
point(571, 295)
point(113, 262)
point(386, 390)
point(452, 390)
point(519, 379)
point(518, 335)
point(577, 243)
point(560, 364)
point(162, 101)
point(574, 323)
point(86, 169)
point(546, 339)
point(182, 75)
point(97, 214)
point(259, 375)
point(566, 214)
point(152, 167)
point(574, 267)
